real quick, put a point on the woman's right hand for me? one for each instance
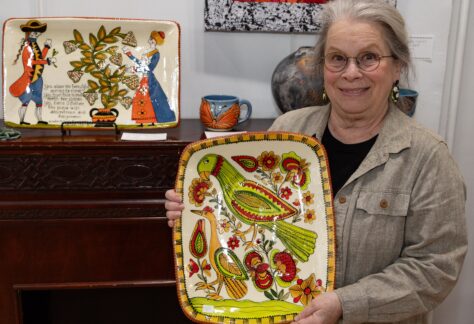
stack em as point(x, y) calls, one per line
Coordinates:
point(174, 206)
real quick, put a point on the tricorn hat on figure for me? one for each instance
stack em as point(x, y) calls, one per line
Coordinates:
point(33, 25)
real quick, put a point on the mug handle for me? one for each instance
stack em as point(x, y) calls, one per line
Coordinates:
point(244, 102)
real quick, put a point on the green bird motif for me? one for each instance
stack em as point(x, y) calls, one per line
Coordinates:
point(254, 204)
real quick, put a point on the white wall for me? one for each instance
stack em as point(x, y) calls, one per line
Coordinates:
point(242, 64)
point(459, 306)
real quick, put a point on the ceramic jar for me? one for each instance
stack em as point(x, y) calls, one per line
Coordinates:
point(295, 83)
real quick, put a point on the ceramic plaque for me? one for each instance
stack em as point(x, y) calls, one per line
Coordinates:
point(255, 242)
point(91, 72)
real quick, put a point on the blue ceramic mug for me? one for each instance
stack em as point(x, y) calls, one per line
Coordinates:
point(223, 112)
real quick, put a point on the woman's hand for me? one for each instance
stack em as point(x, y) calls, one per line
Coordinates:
point(174, 206)
point(324, 309)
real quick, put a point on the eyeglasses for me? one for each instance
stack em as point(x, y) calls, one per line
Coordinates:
point(336, 62)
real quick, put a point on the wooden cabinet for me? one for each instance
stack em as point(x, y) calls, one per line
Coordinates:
point(83, 233)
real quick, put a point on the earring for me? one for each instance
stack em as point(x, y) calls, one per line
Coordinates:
point(324, 95)
point(395, 93)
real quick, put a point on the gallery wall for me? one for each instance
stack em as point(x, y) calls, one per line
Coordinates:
point(242, 64)
point(458, 307)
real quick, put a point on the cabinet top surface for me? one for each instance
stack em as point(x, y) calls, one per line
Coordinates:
point(189, 130)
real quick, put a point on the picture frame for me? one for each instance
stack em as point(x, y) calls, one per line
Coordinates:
point(281, 16)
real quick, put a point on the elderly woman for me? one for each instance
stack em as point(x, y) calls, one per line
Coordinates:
point(398, 196)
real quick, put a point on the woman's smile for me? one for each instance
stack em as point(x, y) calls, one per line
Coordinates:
point(354, 92)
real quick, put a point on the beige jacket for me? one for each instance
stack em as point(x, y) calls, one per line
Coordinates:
point(400, 223)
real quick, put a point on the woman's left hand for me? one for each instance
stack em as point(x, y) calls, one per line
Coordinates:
point(324, 309)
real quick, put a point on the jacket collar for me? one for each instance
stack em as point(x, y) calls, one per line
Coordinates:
point(394, 137)
point(320, 124)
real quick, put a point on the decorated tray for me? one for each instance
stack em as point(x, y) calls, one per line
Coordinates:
point(255, 242)
point(91, 72)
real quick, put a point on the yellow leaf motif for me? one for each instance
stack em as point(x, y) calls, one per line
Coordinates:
point(76, 64)
point(93, 85)
point(84, 47)
point(101, 56)
point(101, 33)
point(92, 40)
point(100, 47)
point(115, 31)
point(78, 36)
point(89, 68)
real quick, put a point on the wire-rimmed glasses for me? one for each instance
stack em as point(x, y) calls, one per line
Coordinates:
point(367, 61)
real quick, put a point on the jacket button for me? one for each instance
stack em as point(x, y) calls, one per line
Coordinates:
point(383, 203)
point(342, 199)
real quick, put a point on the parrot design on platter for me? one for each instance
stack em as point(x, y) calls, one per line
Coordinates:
point(254, 204)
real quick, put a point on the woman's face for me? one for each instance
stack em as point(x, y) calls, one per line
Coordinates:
point(354, 93)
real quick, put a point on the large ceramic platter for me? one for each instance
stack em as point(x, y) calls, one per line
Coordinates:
point(91, 72)
point(255, 242)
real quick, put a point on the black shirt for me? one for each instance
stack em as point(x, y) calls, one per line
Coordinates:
point(344, 159)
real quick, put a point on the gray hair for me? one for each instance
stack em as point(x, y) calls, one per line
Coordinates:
point(375, 11)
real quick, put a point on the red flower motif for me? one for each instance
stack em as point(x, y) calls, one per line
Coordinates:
point(206, 268)
point(309, 216)
point(192, 268)
point(286, 266)
point(308, 198)
point(262, 277)
point(233, 242)
point(306, 290)
point(268, 160)
point(198, 191)
point(297, 169)
point(285, 192)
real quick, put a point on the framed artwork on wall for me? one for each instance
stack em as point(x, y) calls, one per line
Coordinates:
point(287, 16)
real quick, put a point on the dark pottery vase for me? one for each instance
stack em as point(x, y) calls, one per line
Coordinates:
point(295, 83)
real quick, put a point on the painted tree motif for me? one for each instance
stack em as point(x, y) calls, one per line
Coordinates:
point(101, 60)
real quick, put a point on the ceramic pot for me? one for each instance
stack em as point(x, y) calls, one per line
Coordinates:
point(295, 83)
point(408, 100)
point(103, 116)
